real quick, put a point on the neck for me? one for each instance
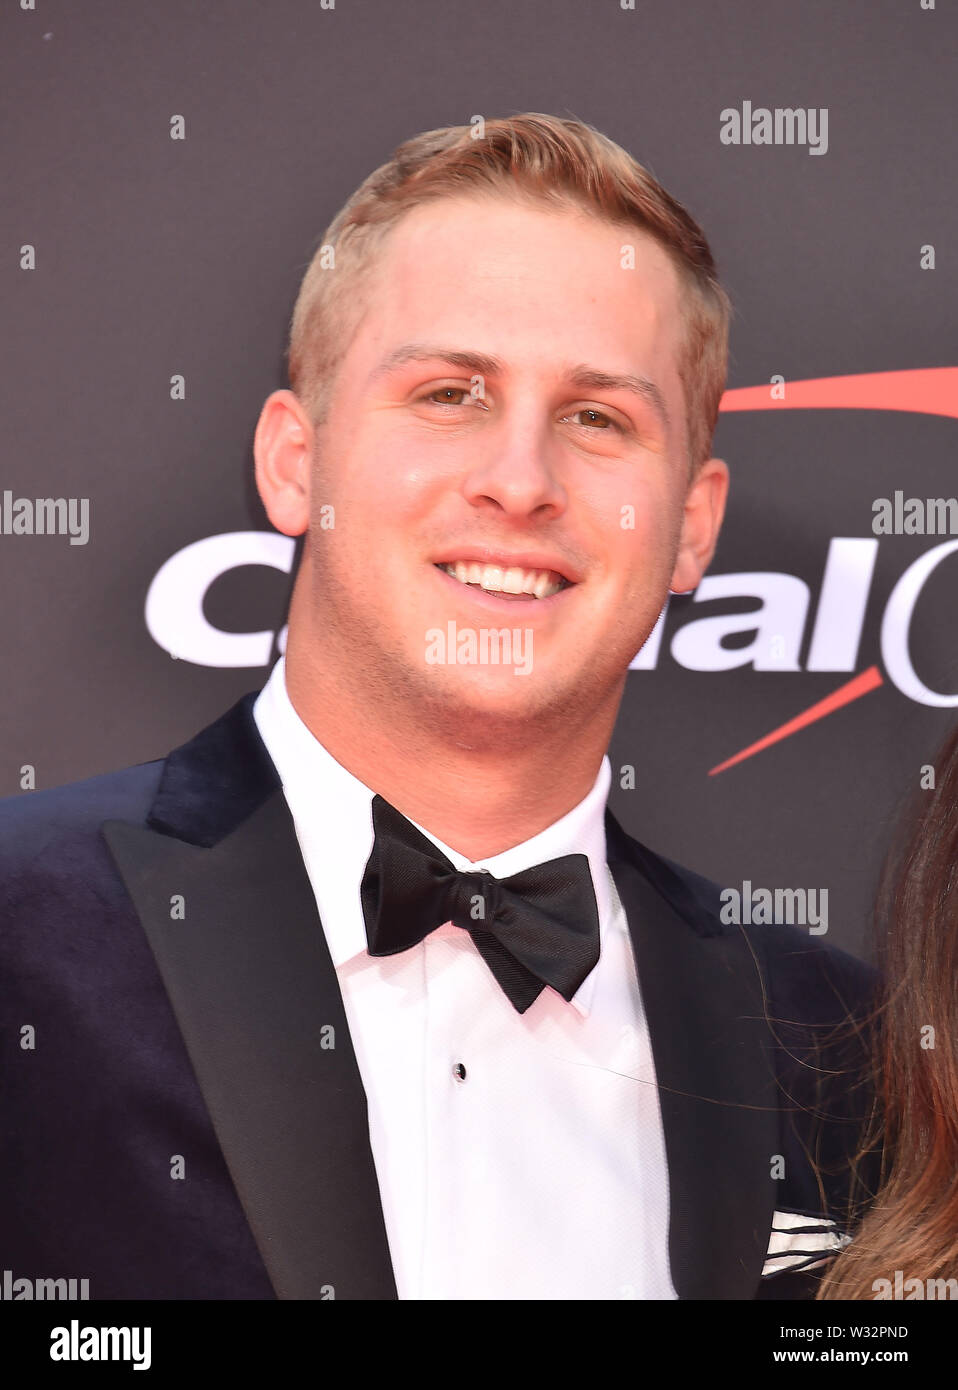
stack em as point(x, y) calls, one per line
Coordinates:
point(479, 797)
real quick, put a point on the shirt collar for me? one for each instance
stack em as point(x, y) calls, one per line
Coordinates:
point(332, 813)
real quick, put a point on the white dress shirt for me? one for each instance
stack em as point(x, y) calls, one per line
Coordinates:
point(541, 1172)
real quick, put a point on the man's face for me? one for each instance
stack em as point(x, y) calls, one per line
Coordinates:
point(482, 422)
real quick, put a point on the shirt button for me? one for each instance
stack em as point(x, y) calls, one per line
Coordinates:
point(459, 1071)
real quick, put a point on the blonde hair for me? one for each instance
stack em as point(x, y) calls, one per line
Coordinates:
point(549, 161)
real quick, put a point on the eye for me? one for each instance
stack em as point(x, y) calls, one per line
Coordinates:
point(594, 419)
point(451, 395)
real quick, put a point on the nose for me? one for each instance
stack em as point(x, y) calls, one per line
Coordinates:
point(517, 471)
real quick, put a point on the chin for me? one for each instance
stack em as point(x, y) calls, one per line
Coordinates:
point(509, 704)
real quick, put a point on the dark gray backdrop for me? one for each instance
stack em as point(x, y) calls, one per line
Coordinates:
point(156, 256)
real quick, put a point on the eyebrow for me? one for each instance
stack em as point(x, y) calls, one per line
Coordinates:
point(583, 377)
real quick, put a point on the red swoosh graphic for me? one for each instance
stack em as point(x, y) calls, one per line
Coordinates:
point(928, 390)
point(853, 690)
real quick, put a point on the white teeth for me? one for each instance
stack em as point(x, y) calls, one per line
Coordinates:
point(493, 578)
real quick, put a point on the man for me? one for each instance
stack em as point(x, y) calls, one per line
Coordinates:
point(362, 993)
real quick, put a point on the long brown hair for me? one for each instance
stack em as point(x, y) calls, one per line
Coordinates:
point(912, 1225)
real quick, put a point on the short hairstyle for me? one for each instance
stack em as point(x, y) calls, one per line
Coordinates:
point(549, 161)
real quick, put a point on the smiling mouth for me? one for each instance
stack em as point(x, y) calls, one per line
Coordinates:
point(512, 583)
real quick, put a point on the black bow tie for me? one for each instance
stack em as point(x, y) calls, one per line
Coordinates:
point(535, 928)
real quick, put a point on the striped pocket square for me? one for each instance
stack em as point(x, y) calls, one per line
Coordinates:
point(800, 1241)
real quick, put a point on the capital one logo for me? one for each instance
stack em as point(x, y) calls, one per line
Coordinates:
point(176, 621)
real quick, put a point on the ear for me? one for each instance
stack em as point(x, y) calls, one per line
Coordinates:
point(283, 449)
point(701, 523)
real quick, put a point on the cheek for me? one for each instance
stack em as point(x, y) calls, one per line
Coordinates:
point(391, 475)
point(642, 528)
point(645, 558)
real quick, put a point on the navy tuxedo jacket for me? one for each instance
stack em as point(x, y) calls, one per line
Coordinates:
point(140, 1040)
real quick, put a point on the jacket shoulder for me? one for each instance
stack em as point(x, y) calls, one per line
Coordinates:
point(803, 973)
point(55, 867)
point(34, 822)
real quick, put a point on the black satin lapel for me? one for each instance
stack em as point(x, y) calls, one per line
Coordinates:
point(210, 784)
point(703, 1001)
point(255, 995)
